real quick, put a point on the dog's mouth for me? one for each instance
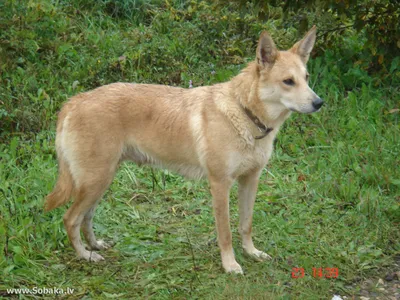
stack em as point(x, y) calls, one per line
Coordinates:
point(301, 112)
point(307, 112)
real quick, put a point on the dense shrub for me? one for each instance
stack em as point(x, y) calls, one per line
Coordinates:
point(50, 50)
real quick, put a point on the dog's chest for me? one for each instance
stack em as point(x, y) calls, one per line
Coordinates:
point(254, 158)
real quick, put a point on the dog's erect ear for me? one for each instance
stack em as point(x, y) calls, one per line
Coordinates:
point(304, 47)
point(266, 50)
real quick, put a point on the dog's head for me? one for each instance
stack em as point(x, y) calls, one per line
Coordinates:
point(283, 74)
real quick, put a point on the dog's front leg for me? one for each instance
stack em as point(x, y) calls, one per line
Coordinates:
point(220, 193)
point(247, 196)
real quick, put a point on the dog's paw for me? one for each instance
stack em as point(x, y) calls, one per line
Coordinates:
point(102, 245)
point(94, 257)
point(257, 255)
point(233, 268)
point(91, 256)
point(99, 245)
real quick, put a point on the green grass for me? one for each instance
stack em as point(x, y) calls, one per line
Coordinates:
point(330, 196)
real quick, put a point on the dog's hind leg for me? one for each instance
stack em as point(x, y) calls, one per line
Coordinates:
point(247, 196)
point(88, 233)
point(87, 196)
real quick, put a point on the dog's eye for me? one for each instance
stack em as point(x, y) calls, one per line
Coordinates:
point(289, 81)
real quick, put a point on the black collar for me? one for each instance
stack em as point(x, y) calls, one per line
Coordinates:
point(264, 129)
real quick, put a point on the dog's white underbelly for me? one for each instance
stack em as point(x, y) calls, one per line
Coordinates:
point(133, 153)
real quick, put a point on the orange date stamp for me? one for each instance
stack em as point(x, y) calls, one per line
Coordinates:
point(316, 272)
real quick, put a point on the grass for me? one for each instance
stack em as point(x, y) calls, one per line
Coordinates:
point(329, 198)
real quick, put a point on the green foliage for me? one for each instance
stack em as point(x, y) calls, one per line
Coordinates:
point(374, 25)
point(376, 21)
point(51, 50)
point(330, 197)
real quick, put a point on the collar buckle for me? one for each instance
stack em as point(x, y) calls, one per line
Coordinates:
point(263, 129)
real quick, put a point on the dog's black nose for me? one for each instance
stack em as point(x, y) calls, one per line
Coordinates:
point(317, 103)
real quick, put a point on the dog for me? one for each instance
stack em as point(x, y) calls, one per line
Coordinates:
point(223, 132)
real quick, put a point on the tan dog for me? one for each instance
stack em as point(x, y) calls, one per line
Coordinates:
point(223, 132)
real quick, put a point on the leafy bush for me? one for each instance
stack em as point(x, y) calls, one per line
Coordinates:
point(52, 50)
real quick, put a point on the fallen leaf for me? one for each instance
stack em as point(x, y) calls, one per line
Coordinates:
point(301, 177)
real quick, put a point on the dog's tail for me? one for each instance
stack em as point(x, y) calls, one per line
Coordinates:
point(62, 192)
point(64, 187)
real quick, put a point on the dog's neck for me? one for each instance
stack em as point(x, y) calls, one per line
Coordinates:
point(264, 130)
point(245, 90)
